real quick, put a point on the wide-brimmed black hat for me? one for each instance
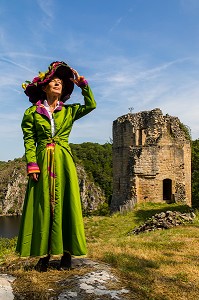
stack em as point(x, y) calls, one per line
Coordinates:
point(58, 68)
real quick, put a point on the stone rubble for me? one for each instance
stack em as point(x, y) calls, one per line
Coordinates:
point(164, 220)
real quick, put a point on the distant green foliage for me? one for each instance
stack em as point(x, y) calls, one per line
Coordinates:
point(97, 161)
point(103, 210)
point(186, 130)
point(195, 173)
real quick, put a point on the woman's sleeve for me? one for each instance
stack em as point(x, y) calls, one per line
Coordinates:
point(29, 136)
point(89, 103)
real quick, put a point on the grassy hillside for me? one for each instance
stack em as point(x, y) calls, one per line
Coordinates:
point(159, 265)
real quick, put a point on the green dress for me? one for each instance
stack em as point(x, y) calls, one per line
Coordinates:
point(52, 220)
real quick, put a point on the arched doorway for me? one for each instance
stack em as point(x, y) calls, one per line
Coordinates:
point(167, 190)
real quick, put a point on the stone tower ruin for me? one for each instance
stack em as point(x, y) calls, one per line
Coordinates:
point(151, 160)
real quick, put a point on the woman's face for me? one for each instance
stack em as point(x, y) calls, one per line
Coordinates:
point(54, 87)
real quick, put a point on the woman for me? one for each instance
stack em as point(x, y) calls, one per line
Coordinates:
point(52, 221)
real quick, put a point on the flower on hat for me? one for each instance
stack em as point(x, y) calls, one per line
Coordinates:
point(42, 75)
point(25, 84)
point(36, 79)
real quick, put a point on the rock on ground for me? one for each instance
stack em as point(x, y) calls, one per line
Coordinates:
point(93, 285)
point(5, 287)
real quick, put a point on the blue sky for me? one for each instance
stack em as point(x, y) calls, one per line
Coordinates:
point(135, 53)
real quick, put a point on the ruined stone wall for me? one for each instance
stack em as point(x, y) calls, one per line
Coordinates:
point(122, 137)
point(151, 160)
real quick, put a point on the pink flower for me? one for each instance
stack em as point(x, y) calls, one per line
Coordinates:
point(36, 79)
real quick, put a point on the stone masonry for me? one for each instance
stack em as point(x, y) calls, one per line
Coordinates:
point(151, 160)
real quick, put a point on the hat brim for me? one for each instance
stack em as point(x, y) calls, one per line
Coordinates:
point(62, 71)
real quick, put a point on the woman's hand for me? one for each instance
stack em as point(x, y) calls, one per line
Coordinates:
point(78, 80)
point(34, 176)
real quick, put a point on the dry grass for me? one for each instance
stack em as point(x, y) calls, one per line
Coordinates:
point(35, 285)
point(157, 265)
point(160, 265)
point(30, 284)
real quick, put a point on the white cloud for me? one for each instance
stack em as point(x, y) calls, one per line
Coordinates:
point(47, 9)
point(131, 84)
point(118, 21)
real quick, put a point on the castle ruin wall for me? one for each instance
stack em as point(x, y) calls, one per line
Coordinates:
point(151, 160)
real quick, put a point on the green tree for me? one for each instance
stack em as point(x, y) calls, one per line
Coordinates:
point(97, 161)
point(195, 173)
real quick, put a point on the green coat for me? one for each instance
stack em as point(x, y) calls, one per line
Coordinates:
point(56, 227)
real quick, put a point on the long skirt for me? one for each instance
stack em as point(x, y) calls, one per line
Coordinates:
point(52, 220)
